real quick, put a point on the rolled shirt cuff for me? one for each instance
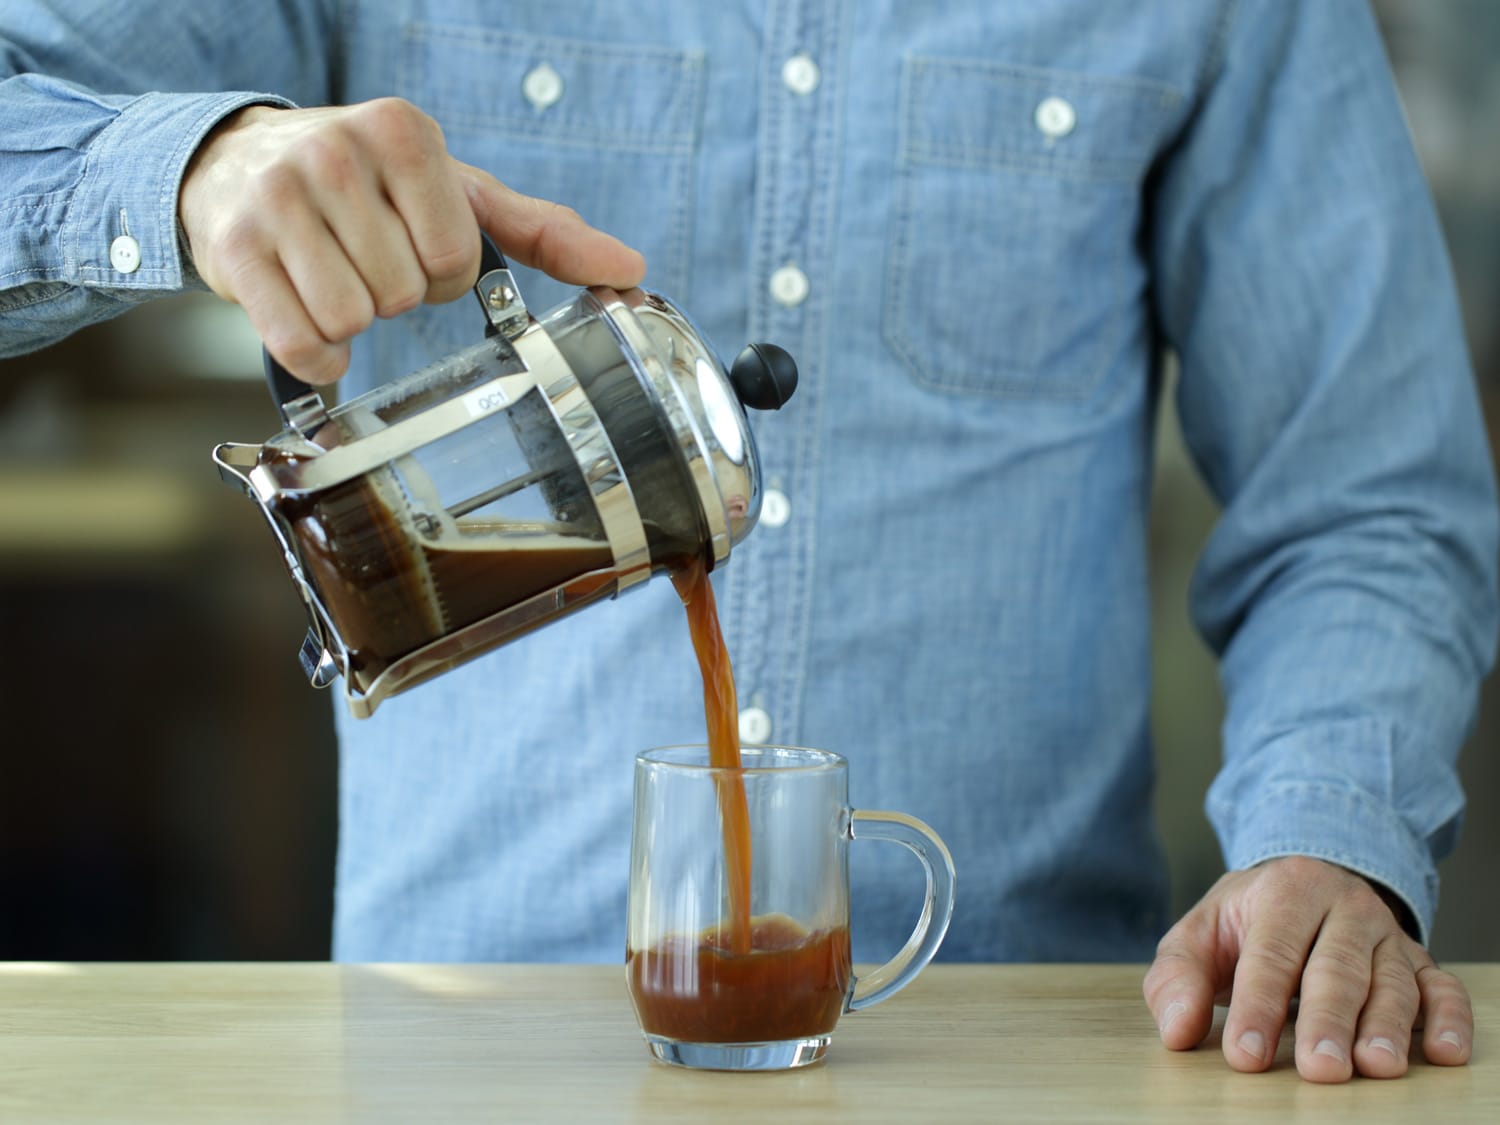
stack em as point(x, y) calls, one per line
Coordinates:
point(130, 189)
point(1341, 825)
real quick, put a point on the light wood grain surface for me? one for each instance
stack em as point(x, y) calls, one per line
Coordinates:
point(438, 1043)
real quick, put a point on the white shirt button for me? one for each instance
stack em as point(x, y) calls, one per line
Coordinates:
point(755, 725)
point(1055, 117)
point(542, 86)
point(800, 74)
point(125, 254)
point(789, 286)
point(775, 508)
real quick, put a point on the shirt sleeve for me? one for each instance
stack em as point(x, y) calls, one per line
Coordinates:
point(1325, 393)
point(101, 107)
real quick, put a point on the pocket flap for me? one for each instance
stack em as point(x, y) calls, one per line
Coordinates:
point(608, 95)
point(1061, 123)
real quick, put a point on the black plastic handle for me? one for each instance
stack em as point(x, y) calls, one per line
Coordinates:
point(285, 387)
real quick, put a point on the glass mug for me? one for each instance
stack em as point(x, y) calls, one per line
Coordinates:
point(711, 991)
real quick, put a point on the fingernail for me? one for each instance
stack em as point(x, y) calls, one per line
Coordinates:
point(1169, 1017)
point(1381, 1043)
point(1452, 1037)
point(1253, 1043)
point(1331, 1049)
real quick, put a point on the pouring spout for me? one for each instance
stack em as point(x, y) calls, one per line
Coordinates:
point(235, 459)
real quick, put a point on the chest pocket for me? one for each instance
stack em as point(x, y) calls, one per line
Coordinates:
point(609, 129)
point(1014, 268)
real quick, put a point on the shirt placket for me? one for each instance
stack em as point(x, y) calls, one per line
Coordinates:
point(771, 583)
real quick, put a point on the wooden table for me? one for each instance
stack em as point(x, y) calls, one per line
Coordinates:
point(439, 1044)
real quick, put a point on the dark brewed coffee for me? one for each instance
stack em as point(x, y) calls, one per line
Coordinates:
point(392, 590)
point(790, 985)
point(721, 708)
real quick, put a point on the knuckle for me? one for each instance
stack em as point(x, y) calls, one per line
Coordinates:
point(558, 226)
point(1176, 951)
point(1302, 867)
point(1344, 964)
point(1365, 904)
point(451, 260)
point(397, 299)
point(384, 112)
point(279, 186)
point(1326, 1017)
point(346, 320)
point(1439, 988)
point(332, 159)
point(327, 367)
point(442, 292)
point(243, 240)
point(298, 351)
point(1163, 971)
point(401, 124)
point(1278, 955)
point(1393, 976)
point(1170, 953)
point(1393, 1004)
point(1290, 877)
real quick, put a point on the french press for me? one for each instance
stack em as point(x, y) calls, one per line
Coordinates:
point(556, 463)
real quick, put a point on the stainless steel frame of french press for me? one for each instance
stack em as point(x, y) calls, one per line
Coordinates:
point(324, 654)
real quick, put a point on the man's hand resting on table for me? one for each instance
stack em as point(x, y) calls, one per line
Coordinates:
point(1301, 927)
point(319, 220)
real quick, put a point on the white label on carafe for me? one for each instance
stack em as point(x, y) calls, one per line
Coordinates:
point(484, 400)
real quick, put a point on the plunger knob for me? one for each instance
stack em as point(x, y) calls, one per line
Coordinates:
point(763, 376)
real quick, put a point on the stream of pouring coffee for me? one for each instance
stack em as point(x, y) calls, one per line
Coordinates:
point(722, 711)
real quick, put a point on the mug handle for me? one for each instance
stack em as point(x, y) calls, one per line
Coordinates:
point(937, 909)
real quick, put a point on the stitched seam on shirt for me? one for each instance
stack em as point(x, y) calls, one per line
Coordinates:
point(590, 137)
point(687, 177)
point(778, 616)
point(468, 34)
point(35, 201)
point(1045, 76)
point(822, 224)
point(21, 277)
point(44, 273)
point(751, 622)
point(65, 238)
point(1083, 169)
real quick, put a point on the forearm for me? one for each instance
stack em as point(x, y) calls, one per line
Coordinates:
point(1351, 590)
point(1350, 584)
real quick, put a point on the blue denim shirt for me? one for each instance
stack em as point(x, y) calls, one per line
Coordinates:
point(978, 231)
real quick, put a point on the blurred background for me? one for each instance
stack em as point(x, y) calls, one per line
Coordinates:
point(168, 788)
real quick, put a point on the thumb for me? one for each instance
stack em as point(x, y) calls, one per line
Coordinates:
point(1181, 984)
point(549, 236)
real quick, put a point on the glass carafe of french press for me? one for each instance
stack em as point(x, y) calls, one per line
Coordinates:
point(558, 462)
